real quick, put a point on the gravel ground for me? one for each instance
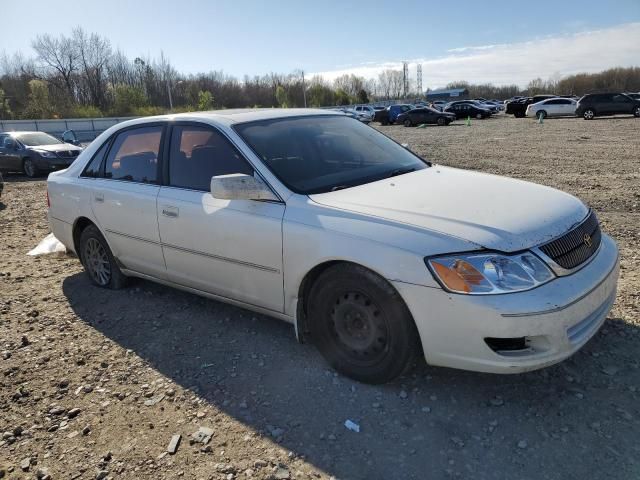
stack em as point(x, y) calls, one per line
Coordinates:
point(95, 383)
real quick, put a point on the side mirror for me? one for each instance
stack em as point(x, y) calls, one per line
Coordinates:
point(239, 186)
point(69, 136)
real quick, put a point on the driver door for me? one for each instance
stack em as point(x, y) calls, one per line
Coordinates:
point(231, 248)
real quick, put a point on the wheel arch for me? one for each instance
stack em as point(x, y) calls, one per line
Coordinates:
point(304, 289)
point(80, 224)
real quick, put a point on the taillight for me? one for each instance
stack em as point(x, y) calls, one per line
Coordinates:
point(48, 201)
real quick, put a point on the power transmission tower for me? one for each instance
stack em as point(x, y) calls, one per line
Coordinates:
point(405, 78)
point(419, 70)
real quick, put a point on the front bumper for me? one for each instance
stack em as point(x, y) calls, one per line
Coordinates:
point(53, 164)
point(555, 319)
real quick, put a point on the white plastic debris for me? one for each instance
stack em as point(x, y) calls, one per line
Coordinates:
point(353, 426)
point(49, 244)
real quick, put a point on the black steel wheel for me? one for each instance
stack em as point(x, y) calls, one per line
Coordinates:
point(361, 325)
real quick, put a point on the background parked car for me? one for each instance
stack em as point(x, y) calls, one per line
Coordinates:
point(366, 110)
point(464, 110)
point(439, 104)
point(34, 153)
point(381, 115)
point(554, 107)
point(518, 108)
point(599, 104)
point(395, 110)
point(421, 115)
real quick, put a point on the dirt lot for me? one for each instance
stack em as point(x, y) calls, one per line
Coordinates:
point(94, 383)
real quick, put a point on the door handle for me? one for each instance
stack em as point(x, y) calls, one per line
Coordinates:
point(168, 211)
point(99, 197)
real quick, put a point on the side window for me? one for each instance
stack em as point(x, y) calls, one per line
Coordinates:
point(620, 99)
point(134, 155)
point(564, 102)
point(92, 170)
point(2, 138)
point(199, 153)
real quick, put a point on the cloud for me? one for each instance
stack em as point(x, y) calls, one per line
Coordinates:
point(518, 63)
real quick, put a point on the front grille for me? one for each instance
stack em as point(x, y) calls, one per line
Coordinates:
point(68, 154)
point(576, 246)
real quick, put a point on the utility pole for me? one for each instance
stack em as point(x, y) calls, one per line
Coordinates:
point(304, 90)
point(405, 78)
point(419, 69)
point(170, 99)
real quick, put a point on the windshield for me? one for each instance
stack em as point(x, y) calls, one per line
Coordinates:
point(317, 154)
point(36, 139)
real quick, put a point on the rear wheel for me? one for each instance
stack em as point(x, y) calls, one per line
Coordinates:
point(29, 168)
point(589, 114)
point(479, 116)
point(408, 123)
point(361, 325)
point(98, 261)
point(441, 121)
point(636, 112)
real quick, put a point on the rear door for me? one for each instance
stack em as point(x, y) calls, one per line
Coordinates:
point(10, 158)
point(621, 104)
point(231, 248)
point(124, 198)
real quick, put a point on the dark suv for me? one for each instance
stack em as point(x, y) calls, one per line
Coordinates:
point(598, 104)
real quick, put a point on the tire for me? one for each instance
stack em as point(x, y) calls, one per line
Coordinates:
point(441, 121)
point(518, 115)
point(636, 112)
point(479, 116)
point(98, 261)
point(408, 123)
point(361, 325)
point(541, 114)
point(589, 114)
point(29, 168)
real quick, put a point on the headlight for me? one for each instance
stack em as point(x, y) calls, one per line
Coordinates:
point(45, 153)
point(489, 273)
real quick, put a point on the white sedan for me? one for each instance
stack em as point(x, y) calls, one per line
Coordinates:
point(374, 254)
point(553, 107)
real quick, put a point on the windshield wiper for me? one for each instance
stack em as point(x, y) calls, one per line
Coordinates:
point(339, 187)
point(401, 171)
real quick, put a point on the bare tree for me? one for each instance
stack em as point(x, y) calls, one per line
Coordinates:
point(94, 52)
point(59, 55)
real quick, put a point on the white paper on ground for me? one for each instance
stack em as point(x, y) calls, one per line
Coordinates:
point(49, 244)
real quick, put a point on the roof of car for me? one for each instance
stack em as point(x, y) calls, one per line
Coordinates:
point(233, 116)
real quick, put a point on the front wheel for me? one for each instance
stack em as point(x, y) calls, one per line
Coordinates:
point(441, 121)
point(408, 123)
point(29, 168)
point(589, 114)
point(361, 325)
point(636, 112)
point(479, 116)
point(98, 261)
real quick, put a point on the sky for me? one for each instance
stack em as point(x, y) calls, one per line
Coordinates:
point(497, 41)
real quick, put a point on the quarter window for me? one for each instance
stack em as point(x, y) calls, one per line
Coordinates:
point(134, 155)
point(199, 153)
point(621, 99)
point(92, 170)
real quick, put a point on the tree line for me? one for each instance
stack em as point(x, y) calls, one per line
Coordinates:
point(81, 75)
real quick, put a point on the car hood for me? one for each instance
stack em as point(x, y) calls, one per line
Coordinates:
point(58, 147)
point(494, 212)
